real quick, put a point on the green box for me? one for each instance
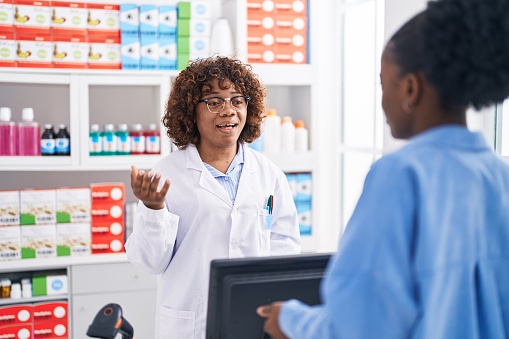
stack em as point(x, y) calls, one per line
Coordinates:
point(184, 10)
point(182, 60)
point(183, 45)
point(39, 285)
point(183, 27)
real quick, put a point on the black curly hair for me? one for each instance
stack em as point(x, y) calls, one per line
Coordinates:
point(461, 47)
point(196, 81)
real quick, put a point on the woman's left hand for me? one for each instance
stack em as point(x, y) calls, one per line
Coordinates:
point(271, 312)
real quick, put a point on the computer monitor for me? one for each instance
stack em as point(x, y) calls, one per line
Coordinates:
point(238, 286)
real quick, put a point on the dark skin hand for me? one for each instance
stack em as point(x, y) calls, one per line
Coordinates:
point(145, 188)
point(271, 313)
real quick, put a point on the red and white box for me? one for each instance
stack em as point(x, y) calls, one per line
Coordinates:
point(103, 18)
point(34, 50)
point(113, 212)
point(107, 193)
point(295, 7)
point(68, 17)
point(107, 244)
point(289, 25)
point(115, 229)
point(50, 311)
point(32, 16)
point(260, 7)
point(104, 52)
point(70, 51)
point(16, 315)
point(23, 331)
point(7, 49)
point(260, 24)
point(288, 53)
point(51, 330)
point(261, 54)
point(7, 15)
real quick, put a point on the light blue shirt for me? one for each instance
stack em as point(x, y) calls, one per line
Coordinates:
point(426, 252)
point(230, 180)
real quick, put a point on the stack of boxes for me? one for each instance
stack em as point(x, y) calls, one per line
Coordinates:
point(73, 221)
point(149, 31)
point(7, 40)
point(277, 31)
point(16, 321)
point(38, 223)
point(193, 31)
point(103, 29)
point(51, 320)
point(168, 37)
point(107, 218)
point(10, 232)
point(300, 184)
point(129, 33)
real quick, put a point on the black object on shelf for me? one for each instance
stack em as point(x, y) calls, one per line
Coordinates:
point(108, 322)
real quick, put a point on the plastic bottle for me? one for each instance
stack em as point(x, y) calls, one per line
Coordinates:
point(95, 146)
point(152, 140)
point(8, 133)
point(6, 288)
point(16, 291)
point(48, 142)
point(26, 288)
point(272, 132)
point(28, 134)
point(137, 139)
point(123, 140)
point(301, 137)
point(287, 135)
point(109, 140)
point(63, 141)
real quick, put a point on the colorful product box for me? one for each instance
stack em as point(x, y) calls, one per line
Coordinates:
point(103, 19)
point(9, 208)
point(8, 47)
point(10, 243)
point(50, 311)
point(149, 21)
point(291, 54)
point(167, 53)
point(292, 182)
point(105, 193)
point(193, 27)
point(38, 206)
point(109, 228)
point(49, 285)
point(23, 331)
point(104, 51)
point(51, 330)
point(295, 7)
point(6, 16)
point(196, 47)
point(196, 9)
point(113, 212)
point(34, 50)
point(261, 54)
point(304, 216)
point(73, 205)
point(107, 244)
point(32, 16)
point(131, 51)
point(70, 51)
point(149, 52)
point(260, 7)
point(267, 40)
point(129, 19)
point(68, 17)
point(258, 25)
point(38, 241)
point(16, 315)
point(73, 239)
point(288, 25)
point(304, 187)
point(167, 21)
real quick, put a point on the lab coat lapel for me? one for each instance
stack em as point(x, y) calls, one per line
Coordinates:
point(207, 181)
point(247, 184)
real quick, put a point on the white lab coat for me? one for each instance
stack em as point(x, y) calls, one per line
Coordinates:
point(201, 223)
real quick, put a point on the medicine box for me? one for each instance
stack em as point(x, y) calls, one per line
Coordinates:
point(10, 243)
point(73, 205)
point(68, 17)
point(16, 315)
point(196, 47)
point(9, 208)
point(149, 20)
point(167, 21)
point(104, 193)
point(304, 216)
point(70, 51)
point(38, 207)
point(107, 244)
point(34, 50)
point(104, 51)
point(8, 49)
point(131, 51)
point(51, 311)
point(7, 16)
point(43, 284)
point(57, 329)
point(103, 18)
point(73, 239)
point(304, 187)
point(22, 331)
point(129, 18)
point(195, 9)
point(38, 241)
point(193, 27)
point(32, 16)
point(149, 52)
point(167, 53)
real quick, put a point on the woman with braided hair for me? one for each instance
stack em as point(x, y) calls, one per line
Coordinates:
point(426, 251)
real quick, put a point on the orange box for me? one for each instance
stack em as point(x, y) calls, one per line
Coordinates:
point(296, 7)
point(261, 54)
point(111, 212)
point(296, 40)
point(104, 51)
point(70, 50)
point(105, 193)
point(107, 244)
point(108, 228)
point(32, 16)
point(266, 40)
point(8, 47)
point(16, 315)
point(22, 331)
point(260, 24)
point(102, 18)
point(7, 13)
point(288, 25)
point(68, 17)
point(51, 311)
point(34, 50)
point(259, 7)
point(51, 329)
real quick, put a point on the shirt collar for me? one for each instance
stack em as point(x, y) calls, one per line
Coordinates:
point(454, 136)
point(237, 160)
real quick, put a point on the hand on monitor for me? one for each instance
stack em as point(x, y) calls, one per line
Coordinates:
point(271, 312)
point(145, 187)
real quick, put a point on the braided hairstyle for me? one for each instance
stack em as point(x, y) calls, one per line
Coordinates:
point(196, 81)
point(461, 47)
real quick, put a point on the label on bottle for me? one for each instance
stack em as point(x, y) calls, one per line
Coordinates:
point(153, 145)
point(123, 143)
point(109, 142)
point(48, 146)
point(137, 144)
point(62, 146)
point(95, 144)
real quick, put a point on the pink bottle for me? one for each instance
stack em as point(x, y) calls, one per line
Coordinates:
point(28, 134)
point(8, 135)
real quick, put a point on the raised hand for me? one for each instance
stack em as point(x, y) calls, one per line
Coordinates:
point(144, 185)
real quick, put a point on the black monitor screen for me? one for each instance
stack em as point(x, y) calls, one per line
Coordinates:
point(238, 286)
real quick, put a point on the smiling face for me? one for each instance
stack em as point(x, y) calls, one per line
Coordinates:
point(220, 130)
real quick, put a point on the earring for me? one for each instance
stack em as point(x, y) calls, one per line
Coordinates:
point(407, 107)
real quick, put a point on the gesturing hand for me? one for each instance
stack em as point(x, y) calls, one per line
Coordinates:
point(271, 326)
point(145, 189)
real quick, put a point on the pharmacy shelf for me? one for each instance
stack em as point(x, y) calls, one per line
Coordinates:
point(11, 301)
point(293, 162)
point(59, 262)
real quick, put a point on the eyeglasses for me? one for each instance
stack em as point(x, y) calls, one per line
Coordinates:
point(217, 104)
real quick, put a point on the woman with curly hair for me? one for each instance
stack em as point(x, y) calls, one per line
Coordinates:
point(426, 251)
point(208, 200)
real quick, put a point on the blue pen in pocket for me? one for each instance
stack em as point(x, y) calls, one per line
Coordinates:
point(268, 220)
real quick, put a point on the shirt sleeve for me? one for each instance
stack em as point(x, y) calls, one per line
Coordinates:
point(153, 238)
point(368, 288)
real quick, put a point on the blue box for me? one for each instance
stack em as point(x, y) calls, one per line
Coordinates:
point(167, 21)
point(304, 187)
point(129, 19)
point(149, 20)
point(304, 216)
point(130, 51)
point(149, 52)
point(167, 52)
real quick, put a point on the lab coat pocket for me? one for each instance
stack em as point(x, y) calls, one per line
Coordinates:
point(176, 323)
point(264, 227)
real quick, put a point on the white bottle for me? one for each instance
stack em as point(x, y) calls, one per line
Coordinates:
point(301, 137)
point(287, 135)
point(16, 291)
point(272, 132)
